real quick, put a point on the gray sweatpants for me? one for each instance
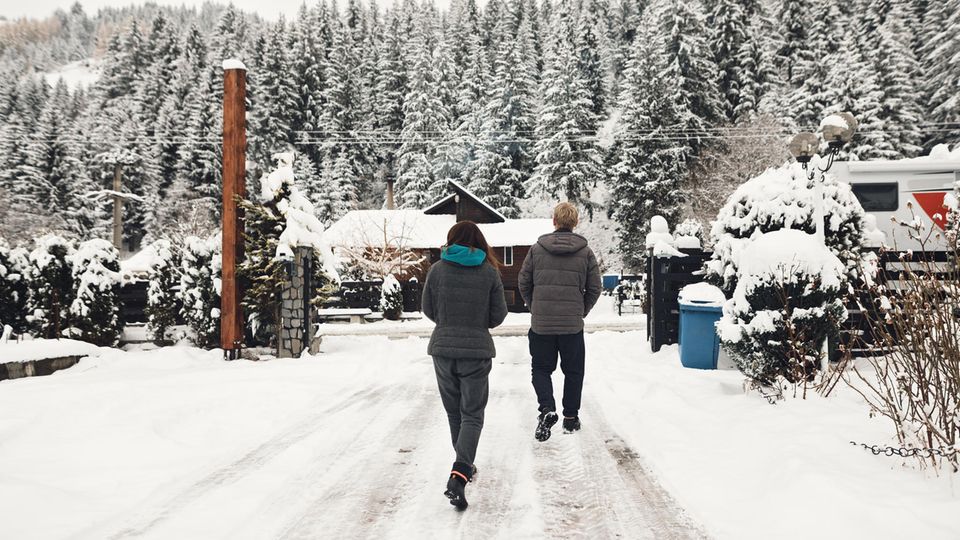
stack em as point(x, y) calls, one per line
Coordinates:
point(464, 387)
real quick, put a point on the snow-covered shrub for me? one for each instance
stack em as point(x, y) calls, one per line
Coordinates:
point(787, 301)
point(163, 300)
point(95, 310)
point(391, 298)
point(689, 234)
point(281, 220)
point(200, 289)
point(13, 287)
point(51, 286)
point(783, 198)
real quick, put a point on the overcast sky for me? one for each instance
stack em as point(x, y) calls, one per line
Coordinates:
point(267, 8)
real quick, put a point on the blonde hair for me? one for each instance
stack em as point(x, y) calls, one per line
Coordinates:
point(566, 216)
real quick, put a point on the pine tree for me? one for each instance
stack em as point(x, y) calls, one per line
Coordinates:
point(943, 71)
point(796, 52)
point(567, 162)
point(690, 63)
point(199, 293)
point(51, 287)
point(646, 170)
point(163, 304)
point(14, 288)
point(391, 87)
point(161, 51)
point(729, 35)
point(277, 97)
point(900, 113)
point(95, 310)
point(424, 118)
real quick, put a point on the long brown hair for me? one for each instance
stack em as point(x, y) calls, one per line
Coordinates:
point(466, 233)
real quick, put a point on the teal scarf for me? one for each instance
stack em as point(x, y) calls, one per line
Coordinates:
point(463, 255)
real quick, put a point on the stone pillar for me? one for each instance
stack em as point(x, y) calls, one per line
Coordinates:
point(296, 315)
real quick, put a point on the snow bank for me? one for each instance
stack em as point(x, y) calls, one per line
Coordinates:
point(40, 349)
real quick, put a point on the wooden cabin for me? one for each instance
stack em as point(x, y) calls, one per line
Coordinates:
point(401, 233)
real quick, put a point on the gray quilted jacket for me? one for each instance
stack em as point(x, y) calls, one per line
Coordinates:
point(465, 302)
point(560, 283)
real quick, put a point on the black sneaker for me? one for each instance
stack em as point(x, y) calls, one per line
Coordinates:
point(571, 424)
point(545, 421)
point(459, 476)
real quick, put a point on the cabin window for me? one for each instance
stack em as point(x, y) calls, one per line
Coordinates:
point(508, 256)
point(883, 197)
point(510, 297)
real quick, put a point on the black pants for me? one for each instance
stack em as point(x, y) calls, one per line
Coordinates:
point(544, 350)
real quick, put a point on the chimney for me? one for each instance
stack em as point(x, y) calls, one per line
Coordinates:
point(390, 203)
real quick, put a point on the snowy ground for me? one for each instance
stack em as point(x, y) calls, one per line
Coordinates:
point(175, 443)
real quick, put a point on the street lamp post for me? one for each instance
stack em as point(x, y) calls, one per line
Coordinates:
point(837, 131)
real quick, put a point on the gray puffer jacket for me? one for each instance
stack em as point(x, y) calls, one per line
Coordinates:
point(560, 282)
point(465, 302)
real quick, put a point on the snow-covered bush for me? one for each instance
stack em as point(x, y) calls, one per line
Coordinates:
point(200, 289)
point(689, 234)
point(13, 287)
point(163, 302)
point(787, 301)
point(391, 298)
point(783, 198)
point(51, 286)
point(95, 310)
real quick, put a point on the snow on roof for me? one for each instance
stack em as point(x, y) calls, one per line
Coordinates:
point(415, 230)
point(516, 232)
point(407, 228)
point(140, 263)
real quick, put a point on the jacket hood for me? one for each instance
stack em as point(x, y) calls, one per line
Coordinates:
point(562, 243)
point(463, 255)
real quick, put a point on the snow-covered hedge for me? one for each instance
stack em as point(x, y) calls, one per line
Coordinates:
point(13, 287)
point(782, 198)
point(51, 286)
point(163, 300)
point(787, 301)
point(95, 310)
point(200, 288)
point(391, 298)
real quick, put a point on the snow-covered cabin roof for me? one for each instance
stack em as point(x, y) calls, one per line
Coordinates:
point(415, 230)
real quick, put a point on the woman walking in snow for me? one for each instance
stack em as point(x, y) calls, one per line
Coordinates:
point(463, 295)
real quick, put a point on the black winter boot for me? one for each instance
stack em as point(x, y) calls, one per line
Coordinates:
point(545, 421)
point(571, 424)
point(461, 474)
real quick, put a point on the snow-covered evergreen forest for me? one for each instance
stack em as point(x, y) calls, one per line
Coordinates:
point(630, 108)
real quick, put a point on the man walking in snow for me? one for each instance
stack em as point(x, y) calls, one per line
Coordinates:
point(560, 283)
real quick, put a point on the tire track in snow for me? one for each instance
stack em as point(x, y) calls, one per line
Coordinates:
point(250, 461)
point(593, 485)
point(370, 481)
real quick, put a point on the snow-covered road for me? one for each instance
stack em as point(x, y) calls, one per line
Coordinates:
point(371, 462)
point(353, 443)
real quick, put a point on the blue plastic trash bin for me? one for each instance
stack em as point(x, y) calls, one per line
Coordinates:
point(699, 343)
point(610, 281)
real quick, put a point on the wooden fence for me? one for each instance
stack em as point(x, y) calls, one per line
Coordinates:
point(665, 277)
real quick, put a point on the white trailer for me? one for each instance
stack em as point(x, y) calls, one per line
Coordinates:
point(905, 190)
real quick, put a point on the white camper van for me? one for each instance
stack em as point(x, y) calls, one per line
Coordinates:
point(885, 188)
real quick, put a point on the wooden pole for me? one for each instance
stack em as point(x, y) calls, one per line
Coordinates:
point(234, 171)
point(117, 209)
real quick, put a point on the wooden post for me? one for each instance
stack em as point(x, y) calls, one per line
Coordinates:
point(117, 209)
point(390, 203)
point(234, 171)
